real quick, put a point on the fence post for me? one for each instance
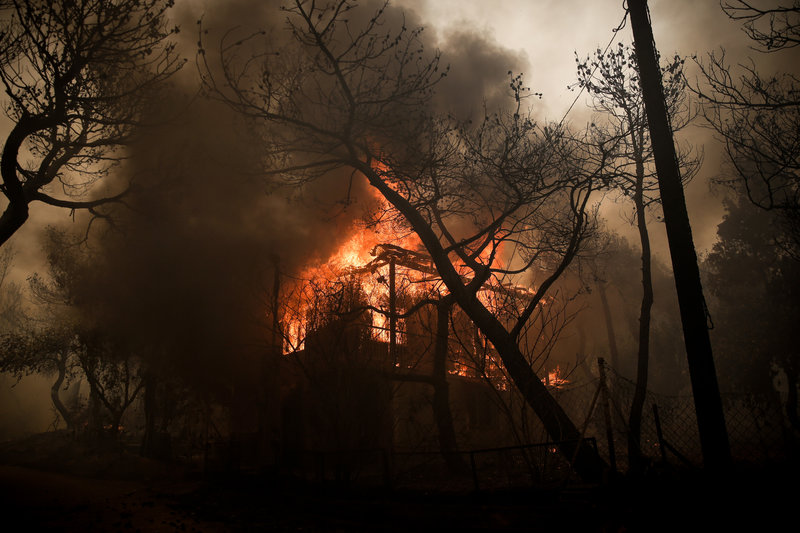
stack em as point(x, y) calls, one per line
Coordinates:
point(612, 454)
point(659, 434)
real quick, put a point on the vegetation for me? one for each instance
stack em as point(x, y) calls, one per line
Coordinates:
point(323, 267)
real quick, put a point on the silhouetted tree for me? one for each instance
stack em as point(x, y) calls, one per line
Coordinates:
point(612, 78)
point(694, 319)
point(772, 28)
point(76, 76)
point(72, 345)
point(115, 379)
point(755, 289)
point(757, 115)
point(51, 351)
point(348, 92)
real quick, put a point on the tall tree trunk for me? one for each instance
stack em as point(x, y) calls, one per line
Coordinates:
point(584, 458)
point(561, 429)
point(55, 391)
point(392, 313)
point(643, 355)
point(95, 422)
point(441, 391)
point(705, 387)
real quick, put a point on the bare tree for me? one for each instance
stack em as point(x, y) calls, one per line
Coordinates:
point(612, 78)
point(76, 76)
point(757, 116)
point(773, 28)
point(349, 91)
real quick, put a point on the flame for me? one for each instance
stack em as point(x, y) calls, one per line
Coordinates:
point(364, 258)
point(352, 260)
point(555, 379)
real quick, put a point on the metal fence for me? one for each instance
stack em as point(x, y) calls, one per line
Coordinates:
point(758, 430)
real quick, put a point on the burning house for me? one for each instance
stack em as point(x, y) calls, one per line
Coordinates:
point(381, 359)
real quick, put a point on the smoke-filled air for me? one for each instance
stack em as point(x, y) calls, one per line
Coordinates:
point(356, 265)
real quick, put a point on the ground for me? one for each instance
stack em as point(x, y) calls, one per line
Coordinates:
point(51, 483)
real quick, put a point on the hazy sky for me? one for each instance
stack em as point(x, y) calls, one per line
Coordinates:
point(549, 32)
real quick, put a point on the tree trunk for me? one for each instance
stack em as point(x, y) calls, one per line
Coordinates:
point(560, 428)
point(392, 314)
point(441, 392)
point(585, 459)
point(55, 390)
point(643, 356)
point(116, 423)
point(16, 212)
point(705, 387)
point(95, 422)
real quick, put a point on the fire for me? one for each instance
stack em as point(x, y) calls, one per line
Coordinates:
point(364, 260)
point(354, 259)
point(351, 254)
point(555, 378)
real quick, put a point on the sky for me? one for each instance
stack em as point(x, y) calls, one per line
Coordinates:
point(550, 32)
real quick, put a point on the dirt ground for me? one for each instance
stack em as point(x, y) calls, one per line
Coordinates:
point(51, 484)
point(60, 502)
point(51, 501)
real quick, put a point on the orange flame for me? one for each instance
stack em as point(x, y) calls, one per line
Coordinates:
point(350, 260)
point(356, 258)
point(555, 378)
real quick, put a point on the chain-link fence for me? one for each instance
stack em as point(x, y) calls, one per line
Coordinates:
point(758, 430)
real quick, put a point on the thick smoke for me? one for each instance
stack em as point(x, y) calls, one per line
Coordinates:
point(188, 266)
point(478, 78)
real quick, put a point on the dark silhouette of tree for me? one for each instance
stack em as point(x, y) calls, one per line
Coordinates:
point(51, 351)
point(351, 92)
point(115, 377)
point(616, 271)
point(71, 345)
point(694, 315)
point(754, 285)
point(76, 76)
point(757, 116)
point(773, 28)
point(612, 78)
